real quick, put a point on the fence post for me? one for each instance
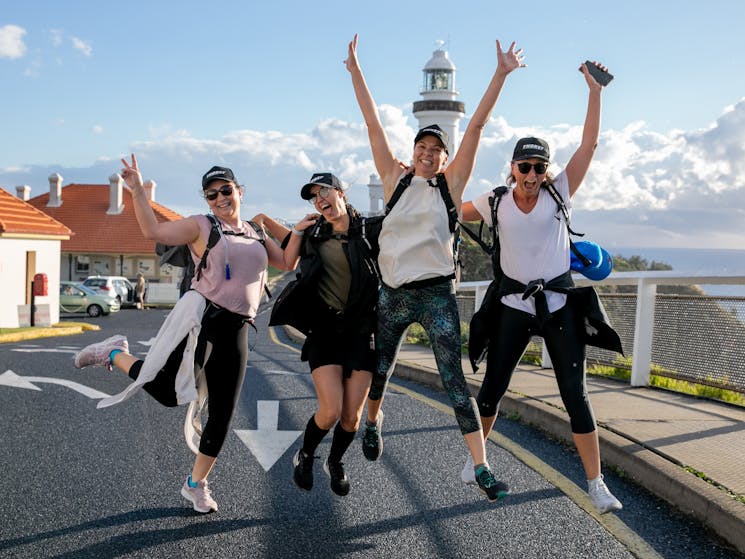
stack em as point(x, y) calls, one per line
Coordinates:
point(644, 328)
point(545, 357)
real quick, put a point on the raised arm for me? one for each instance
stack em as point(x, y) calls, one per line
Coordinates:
point(580, 161)
point(459, 171)
point(385, 162)
point(177, 232)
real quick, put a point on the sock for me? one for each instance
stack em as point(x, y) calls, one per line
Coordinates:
point(340, 443)
point(113, 354)
point(313, 436)
point(191, 483)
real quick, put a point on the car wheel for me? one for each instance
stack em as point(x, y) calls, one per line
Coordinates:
point(95, 310)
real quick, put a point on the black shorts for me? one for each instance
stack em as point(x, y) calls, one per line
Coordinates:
point(333, 344)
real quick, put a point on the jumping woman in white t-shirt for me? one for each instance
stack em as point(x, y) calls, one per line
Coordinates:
point(416, 257)
point(534, 243)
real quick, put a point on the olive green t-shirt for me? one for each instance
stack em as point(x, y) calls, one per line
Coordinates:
point(336, 277)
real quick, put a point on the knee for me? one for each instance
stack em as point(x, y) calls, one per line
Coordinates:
point(326, 417)
point(350, 420)
point(488, 407)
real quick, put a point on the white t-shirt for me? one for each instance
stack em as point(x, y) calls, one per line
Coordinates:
point(534, 245)
point(415, 240)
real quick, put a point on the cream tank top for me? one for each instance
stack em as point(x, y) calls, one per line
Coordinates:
point(415, 240)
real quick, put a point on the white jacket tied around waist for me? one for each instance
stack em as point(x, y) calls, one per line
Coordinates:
point(184, 321)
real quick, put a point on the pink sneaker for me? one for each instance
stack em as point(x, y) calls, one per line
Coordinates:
point(200, 496)
point(98, 354)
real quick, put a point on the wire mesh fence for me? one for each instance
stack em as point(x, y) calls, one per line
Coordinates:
point(696, 338)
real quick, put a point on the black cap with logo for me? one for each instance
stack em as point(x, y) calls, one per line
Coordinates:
point(217, 173)
point(321, 179)
point(528, 148)
point(437, 132)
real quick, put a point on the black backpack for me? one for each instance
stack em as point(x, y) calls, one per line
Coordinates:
point(180, 256)
point(453, 222)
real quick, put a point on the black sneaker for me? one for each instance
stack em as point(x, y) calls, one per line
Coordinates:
point(491, 487)
point(339, 479)
point(302, 473)
point(372, 440)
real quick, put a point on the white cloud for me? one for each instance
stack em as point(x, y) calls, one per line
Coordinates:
point(643, 188)
point(97, 129)
point(56, 36)
point(85, 47)
point(11, 41)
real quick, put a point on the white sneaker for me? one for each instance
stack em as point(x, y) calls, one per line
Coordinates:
point(468, 475)
point(200, 496)
point(601, 497)
point(98, 354)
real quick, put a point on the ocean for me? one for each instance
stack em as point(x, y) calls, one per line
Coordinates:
point(695, 261)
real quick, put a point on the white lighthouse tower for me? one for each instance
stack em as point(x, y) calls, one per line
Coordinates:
point(439, 104)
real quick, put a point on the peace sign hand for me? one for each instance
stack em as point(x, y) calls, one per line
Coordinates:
point(131, 173)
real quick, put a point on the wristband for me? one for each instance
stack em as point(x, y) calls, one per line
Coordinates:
point(296, 232)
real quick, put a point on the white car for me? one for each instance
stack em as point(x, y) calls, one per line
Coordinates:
point(114, 286)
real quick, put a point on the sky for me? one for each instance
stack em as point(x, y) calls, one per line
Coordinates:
point(261, 87)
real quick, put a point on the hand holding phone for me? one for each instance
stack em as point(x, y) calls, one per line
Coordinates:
point(603, 77)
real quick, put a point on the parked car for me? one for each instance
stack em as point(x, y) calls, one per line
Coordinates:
point(77, 298)
point(114, 286)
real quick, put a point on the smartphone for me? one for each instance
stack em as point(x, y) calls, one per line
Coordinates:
point(602, 77)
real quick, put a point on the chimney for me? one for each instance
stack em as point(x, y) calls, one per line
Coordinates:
point(150, 190)
point(115, 195)
point(24, 192)
point(55, 191)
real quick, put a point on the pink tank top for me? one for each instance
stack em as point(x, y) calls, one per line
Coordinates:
point(248, 260)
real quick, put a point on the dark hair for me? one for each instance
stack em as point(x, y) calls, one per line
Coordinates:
point(352, 211)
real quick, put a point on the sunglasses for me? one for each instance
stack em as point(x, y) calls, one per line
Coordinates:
point(524, 168)
point(323, 192)
point(225, 190)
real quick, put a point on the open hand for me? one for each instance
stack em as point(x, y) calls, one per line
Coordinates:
point(351, 62)
point(510, 60)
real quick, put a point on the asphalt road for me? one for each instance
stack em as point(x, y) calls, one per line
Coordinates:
point(82, 482)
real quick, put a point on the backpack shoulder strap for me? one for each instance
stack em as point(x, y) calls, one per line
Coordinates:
point(563, 209)
point(402, 185)
point(494, 201)
point(211, 241)
point(259, 231)
point(442, 184)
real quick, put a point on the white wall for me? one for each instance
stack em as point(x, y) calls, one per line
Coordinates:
point(13, 276)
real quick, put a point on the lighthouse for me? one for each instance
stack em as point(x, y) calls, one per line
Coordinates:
point(439, 104)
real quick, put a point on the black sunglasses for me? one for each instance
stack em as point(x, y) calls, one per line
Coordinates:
point(524, 167)
point(225, 190)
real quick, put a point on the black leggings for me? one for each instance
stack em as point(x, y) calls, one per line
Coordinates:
point(222, 349)
point(563, 339)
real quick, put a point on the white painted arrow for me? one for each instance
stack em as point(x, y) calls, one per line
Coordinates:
point(267, 443)
point(9, 378)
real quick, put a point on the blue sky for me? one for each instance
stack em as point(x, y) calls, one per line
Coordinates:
point(260, 86)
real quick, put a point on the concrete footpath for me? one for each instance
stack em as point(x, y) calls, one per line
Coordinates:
point(654, 436)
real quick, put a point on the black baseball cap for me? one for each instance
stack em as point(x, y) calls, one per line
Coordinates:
point(321, 179)
point(436, 131)
point(527, 148)
point(217, 173)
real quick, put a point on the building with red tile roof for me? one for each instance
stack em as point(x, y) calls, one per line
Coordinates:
point(107, 239)
point(29, 244)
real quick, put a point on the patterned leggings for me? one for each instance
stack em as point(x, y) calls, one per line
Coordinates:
point(435, 308)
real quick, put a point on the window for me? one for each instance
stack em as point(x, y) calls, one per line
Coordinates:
point(82, 264)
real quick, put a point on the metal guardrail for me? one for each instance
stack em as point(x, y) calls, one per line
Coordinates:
point(698, 338)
